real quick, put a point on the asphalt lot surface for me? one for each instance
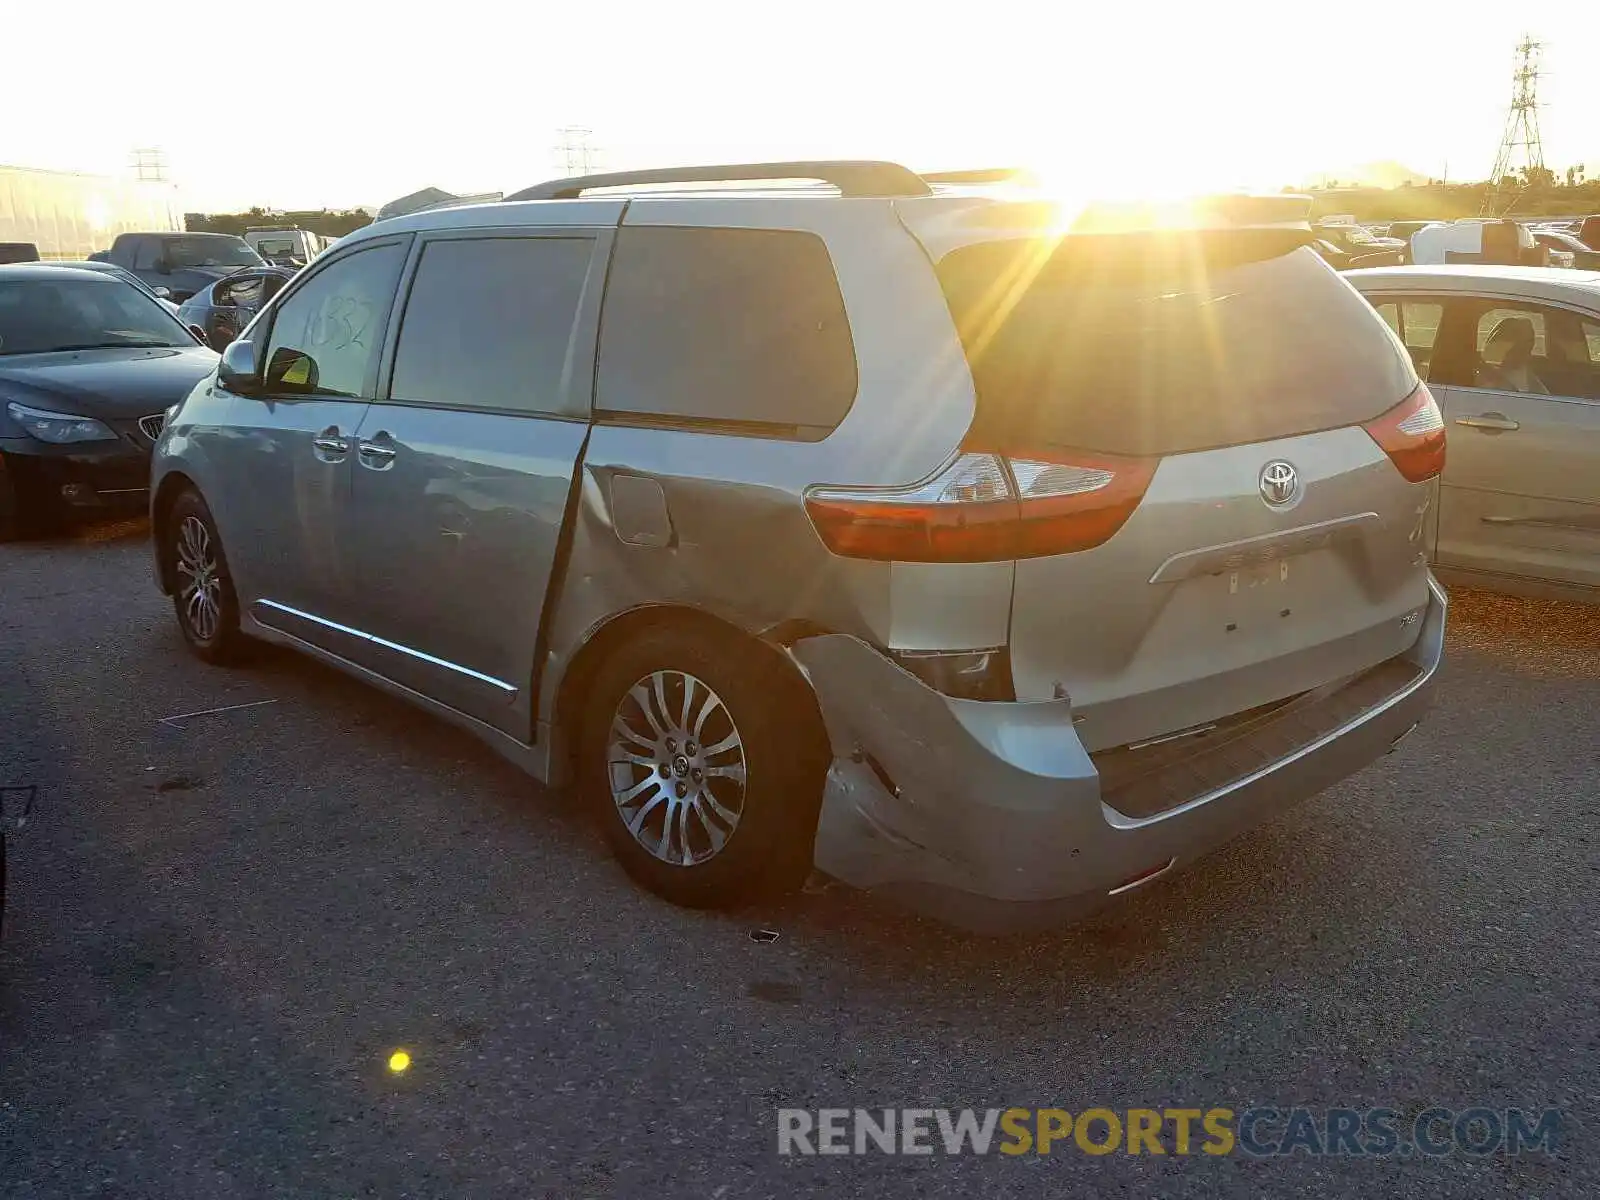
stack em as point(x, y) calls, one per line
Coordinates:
point(220, 928)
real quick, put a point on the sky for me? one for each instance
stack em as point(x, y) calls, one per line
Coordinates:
point(355, 104)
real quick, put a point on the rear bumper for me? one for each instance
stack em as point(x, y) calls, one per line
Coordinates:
point(990, 816)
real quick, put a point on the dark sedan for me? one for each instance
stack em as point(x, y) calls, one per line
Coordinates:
point(88, 367)
point(162, 294)
point(223, 309)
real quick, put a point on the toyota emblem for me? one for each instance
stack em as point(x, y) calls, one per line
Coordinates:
point(1280, 484)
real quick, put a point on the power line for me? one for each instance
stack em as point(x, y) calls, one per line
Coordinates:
point(150, 165)
point(1520, 146)
point(575, 151)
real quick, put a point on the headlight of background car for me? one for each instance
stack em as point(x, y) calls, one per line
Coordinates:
point(58, 428)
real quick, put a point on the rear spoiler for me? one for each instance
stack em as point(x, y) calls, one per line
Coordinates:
point(1237, 227)
point(1228, 211)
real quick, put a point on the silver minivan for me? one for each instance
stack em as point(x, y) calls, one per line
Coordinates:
point(992, 556)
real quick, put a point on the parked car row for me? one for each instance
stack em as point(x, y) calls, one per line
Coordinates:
point(182, 263)
point(1492, 240)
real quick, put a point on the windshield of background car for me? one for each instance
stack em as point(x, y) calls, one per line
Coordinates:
point(275, 246)
point(41, 315)
point(210, 252)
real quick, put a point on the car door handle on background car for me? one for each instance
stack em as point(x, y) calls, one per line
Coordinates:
point(329, 446)
point(1492, 420)
point(377, 454)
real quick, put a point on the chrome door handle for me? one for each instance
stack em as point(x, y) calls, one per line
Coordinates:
point(1488, 421)
point(329, 446)
point(377, 455)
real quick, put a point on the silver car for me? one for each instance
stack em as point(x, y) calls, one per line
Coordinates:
point(1513, 356)
point(912, 532)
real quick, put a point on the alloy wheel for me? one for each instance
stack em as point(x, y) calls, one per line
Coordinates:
point(200, 579)
point(676, 766)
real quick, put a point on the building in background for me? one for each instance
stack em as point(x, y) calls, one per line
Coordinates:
point(71, 216)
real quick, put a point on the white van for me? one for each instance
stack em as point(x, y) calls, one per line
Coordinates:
point(280, 246)
point(1476, 240)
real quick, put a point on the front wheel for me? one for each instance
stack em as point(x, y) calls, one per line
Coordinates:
point(704, 761)
point(203, 596)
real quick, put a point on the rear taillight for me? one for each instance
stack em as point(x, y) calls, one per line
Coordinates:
point(986, 507)
point(1412, 435)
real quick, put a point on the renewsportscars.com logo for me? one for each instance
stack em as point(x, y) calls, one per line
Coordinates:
point(1260, 1132)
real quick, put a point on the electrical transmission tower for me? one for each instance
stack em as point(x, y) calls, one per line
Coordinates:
point(575, 153)
point(1520, 148)
point(150, 166)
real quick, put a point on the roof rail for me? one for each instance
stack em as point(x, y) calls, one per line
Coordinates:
point(852, 178)
point(983, 175)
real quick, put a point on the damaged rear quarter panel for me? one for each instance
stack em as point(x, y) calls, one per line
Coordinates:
point(997, 799)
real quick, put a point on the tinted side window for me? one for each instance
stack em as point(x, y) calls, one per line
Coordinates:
point(1490, 321)
point(729, 325)
point(489, 323)
point(146, 252)
point(1511, 344)
point(328, 333)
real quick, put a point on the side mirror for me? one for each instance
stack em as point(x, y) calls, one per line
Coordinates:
point(292, 370)
point(162, 293)
point(239, 371)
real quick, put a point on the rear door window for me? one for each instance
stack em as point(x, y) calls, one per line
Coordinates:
point(1151, 346)
point(743, 328)
point(489, 323)
point(1511, 344)
point(1536, 349)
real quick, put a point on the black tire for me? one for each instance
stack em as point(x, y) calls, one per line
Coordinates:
point(781, 746)
point(213, 636)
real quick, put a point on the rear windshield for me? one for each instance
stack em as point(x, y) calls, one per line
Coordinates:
point(1138, 346)
point(183, 253)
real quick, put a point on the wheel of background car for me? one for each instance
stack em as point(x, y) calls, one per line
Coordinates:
point(704, 761)
point(202, 596)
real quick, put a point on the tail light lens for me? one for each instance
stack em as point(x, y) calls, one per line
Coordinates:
point(1412, 435)
point(986, 507)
